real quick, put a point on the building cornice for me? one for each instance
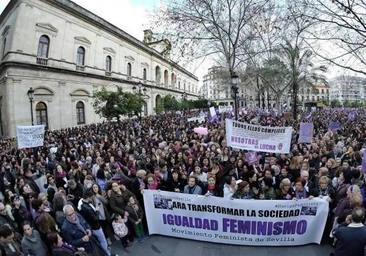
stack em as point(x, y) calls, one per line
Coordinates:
point(6, 64)
point(82, 13)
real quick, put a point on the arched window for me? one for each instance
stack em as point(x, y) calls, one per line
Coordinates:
point(43, 47)
point(157, 75)
point(144, 74)
point(108, 63)
point(173, 80)
point(80, 56)
point(129, 69)
point(166, 78)
point(179, 85)
point(41, 114)
point(80, 112)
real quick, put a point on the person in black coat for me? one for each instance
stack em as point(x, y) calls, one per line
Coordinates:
point(176, 183)
point(91, 216)
point(351, 239)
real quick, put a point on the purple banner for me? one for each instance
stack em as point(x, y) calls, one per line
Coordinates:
point(364, 161)
point(334, 125)
point(306, 132)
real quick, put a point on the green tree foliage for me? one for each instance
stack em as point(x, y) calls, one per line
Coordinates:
point(170, 103)
point(335, 103)
point(114, 104)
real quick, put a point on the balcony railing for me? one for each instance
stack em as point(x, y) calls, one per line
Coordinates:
point(42, 61)
point(80, 68)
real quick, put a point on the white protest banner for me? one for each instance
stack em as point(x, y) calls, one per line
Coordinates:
point(212, 111)
point(30, 136)
point(199, 119)
point(258, 138)
point(306, 133)
point(224, 109)
point(238, 221)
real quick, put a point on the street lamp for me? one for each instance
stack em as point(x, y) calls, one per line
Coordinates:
point(235, 89)
point(141, 91)
point(30, 94)
point(184, 97)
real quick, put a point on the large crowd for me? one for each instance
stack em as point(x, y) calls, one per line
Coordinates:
point(84, 188)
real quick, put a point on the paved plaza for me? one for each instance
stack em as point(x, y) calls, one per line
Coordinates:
point(167, 246)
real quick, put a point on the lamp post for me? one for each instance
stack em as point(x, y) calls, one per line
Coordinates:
point(235, 89)
point(141, 91)
point(184, 97)
point(30, 94)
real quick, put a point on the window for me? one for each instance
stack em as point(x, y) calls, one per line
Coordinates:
point(129, 69)
point(174, 81)
point(4, 47)
point(108, 63)
point(43, 47)
point(144, 74)
point(80, 56)
point(41, 114)
point(80, 112)
point(157, 75)
point(166, 80)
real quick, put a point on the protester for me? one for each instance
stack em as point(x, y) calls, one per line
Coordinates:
point(121, 230)
point(351, 238)
point(9, 246)
point(192, 187)
point(32, 244)
point(118, 160)
point(91, 216)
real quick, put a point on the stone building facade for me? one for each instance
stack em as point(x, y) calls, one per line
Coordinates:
point(65, 53)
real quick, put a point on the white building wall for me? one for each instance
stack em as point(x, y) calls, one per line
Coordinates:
point(27, 22)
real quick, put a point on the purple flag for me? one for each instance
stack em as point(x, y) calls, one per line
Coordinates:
point(364, 161)
point(306, 132)
point(352, 116)
point(214, 119)
point(334, 125)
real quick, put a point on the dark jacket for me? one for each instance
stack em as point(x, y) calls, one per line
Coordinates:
point(90, 215)
point(73, 234)
point(118, 202)
point(134, 215)
point(350, 240)
point(64, 250)
point(20, 215)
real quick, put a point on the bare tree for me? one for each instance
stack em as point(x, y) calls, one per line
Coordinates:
point(341, 26)
point(205, 27)
point(287, 63)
